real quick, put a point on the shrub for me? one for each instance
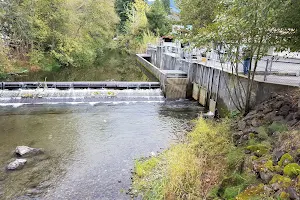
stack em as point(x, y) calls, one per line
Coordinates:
point(277, 127)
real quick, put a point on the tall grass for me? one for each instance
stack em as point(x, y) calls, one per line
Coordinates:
point(189, 170)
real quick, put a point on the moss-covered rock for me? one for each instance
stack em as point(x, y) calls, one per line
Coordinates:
point(283, 195)
point(285, 159)
point(258, 149)
point(292, 170)
point(283, 181)
point(251, 193)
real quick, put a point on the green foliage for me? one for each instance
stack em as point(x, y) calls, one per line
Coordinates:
point(258, 25)
point(254, 193)
point(277, 127)
point(234, 114)
point(232, 186)
point(178, 174)
point(285, 159)
point(282, 180)
point(157, 19)
point(143, 168)
point(73, 33)
point(235, 159)
point(258, 149)
point(121, 9)
point(166, 4)
point(5, 64)
point(198, 13)
point(292, 170)
point(262, 133)
point(283, 195)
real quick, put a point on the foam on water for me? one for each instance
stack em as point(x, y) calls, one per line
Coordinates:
point(92, 97)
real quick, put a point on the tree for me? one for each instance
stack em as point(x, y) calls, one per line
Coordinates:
point(250, 23)
point(157, 18)
point(290, 20)
point(198, 13)
point(121, 8)
point(166, 4)
point(65, 32)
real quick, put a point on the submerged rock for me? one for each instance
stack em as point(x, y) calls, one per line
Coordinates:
point(25, 151)
point(17, 164)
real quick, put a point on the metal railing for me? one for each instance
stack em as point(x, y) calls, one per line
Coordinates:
point(271, 68)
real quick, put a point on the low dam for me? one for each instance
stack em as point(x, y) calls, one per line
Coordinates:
point(90, 132)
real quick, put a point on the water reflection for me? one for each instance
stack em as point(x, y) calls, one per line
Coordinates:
point(90, 148)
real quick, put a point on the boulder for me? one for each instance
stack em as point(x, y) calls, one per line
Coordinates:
point(278, 155)
point(17, 164)
point(297, 115)
point(292, 123)
point(265, 176)
point(278, 119)
point(270, 116)
point(241, 125)
point(236, 136)
point(278, 105)
point(255, 122)
point(275, 186)
point(292, 193)
point(284, 110)
point(250, 115)
point(25, 151)
point(289, 117)
point(250, 130)
point(267, 110)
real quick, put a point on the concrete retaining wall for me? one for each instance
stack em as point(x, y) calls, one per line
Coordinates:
point(225, 88)
point(173, 88)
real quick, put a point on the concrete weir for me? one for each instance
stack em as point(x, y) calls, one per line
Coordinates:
point(173, 82)
point(79, 85)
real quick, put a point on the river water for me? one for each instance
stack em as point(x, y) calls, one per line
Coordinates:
point(89, 148)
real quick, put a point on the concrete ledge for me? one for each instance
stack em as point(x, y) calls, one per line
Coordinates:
point(173, 82)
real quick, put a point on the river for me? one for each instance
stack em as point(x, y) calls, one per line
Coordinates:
point(89, 149)
point(90, 138)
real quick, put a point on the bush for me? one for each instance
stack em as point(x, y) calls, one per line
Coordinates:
point(277, 127)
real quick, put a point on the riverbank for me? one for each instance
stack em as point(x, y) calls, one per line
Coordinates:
point(252, 157)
